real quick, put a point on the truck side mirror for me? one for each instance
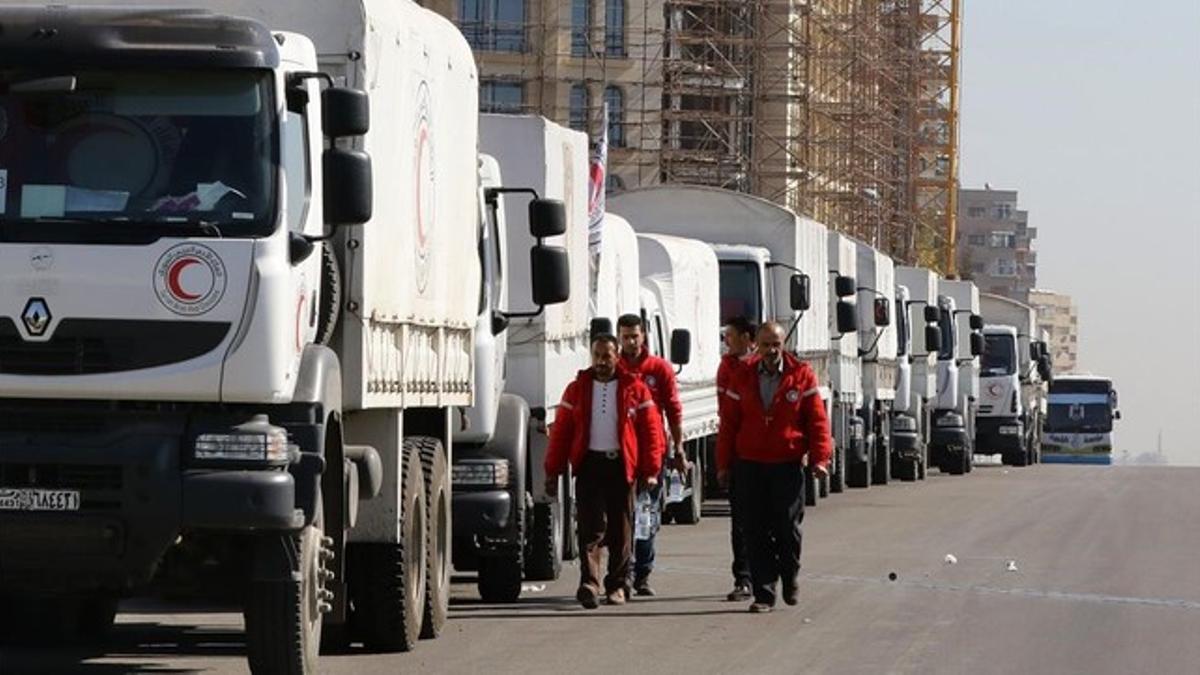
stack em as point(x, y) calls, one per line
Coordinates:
point(1116, 414)
point(551, 275)
point(547, 218)
point(976, 322)
point(1044, 369)
point(681, 346)
point(977, 344)
point(847, 317)
point(345, 112)
point(601, 325)
point(844, 286)
point(347, 185)
point(1034, 352)
point(933, 339)
point(800, 296)
point(931, 314)
point(883, 312)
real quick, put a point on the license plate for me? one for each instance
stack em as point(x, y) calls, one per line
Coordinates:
point(28, 499)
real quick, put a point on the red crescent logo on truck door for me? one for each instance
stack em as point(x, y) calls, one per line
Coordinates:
point(189, 279)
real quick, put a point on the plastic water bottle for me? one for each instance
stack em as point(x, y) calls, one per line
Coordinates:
point(644, 515)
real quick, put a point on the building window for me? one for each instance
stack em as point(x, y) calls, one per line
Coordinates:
point(614, 28)
point(1006, 267)
point(578, 108)
point(976, 211)
point(493, 25)
point(615, 99)
point(500, 96)
point(1004, 211)
point(976, 239)
point(581, 27)
point(1003, 240)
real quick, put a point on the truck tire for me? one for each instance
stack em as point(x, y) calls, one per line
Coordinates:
point(907, 469)
point(1020, 458)
point(96, 616)
point(283, 616)
point(837, 479)
point(570, 532)
point(437, 547)
point(544, 546)
point(859, 475)
point(811, 488)
point(823, 483)
point(500, 577)
point(689, 512)
point(956, 463)
point(387, 581)
point(329, 305)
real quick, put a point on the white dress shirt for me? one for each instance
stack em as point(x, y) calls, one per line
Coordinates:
point(603, 432)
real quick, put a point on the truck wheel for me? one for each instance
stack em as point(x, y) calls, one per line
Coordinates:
point(906, 469)
point(922, 466)
point(812, 488)
point(955, 463)
point(387, 581)
point(823, 485)
point(968, 461)
point(500, 578)
point(96, 616)
point(837, 480)
point(437, 547)
point(689, 512)
point(1020, 458)
point(283, 616)
point(544, 546)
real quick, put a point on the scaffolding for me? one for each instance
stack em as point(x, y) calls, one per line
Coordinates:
point(842, 110)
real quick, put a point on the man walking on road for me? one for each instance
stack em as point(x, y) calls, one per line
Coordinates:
point(739, 341)
point(774, 422)
point(659, 376)
point(610, 432)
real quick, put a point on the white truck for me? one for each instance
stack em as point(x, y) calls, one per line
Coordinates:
point(773, 264)
point(917, 305)
point(505, 527)
point(952, 441)
point(274, 390)
point(877, 340)
point(1012, 393)
point(852, 465)
point(680, 312)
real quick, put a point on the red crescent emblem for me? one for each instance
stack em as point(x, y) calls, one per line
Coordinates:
point(173, 274)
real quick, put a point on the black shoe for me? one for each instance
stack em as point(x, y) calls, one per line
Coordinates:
point(642, 588)
point(587, 597)
point(739, 593)
point(791, 593)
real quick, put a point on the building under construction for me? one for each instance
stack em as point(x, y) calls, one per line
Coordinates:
point(842, 110)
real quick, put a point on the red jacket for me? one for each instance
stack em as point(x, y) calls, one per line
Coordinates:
point(640, 428)
point(659, 375)
point(729, 365)
point(792, 426)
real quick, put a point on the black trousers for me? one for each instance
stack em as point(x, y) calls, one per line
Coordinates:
point(737, 538)
point(770, 504)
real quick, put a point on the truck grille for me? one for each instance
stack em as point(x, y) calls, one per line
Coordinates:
point(61, 476)
point(94, 346)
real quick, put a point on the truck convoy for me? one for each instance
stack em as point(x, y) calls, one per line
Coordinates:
point(276, 391)
point(1079, 420)
point(1012, 389)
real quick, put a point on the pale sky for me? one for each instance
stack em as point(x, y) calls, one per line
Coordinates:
point(1092, 111)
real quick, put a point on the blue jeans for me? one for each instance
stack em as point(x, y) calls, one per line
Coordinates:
point(643, 549)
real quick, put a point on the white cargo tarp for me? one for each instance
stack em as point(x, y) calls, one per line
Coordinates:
point(618, 279)
point(680, 273)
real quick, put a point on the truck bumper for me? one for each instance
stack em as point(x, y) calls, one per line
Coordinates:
point(136, 496)
point(906, 445)
point(484, 523)
point(999, 434)
point(947, 442)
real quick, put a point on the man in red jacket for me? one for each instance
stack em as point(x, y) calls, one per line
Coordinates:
point(659, 376)
point(610, 431)
point(739, 345)
point(775, 422)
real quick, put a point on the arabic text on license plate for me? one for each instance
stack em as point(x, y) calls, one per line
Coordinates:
point(26, 499)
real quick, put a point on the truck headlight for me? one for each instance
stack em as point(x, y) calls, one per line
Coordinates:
point(1010, 430)
point(253, 446)
point(949, 420)
point(492, 473)
point(904, 423)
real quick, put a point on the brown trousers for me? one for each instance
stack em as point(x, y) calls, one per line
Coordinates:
point(604, 511)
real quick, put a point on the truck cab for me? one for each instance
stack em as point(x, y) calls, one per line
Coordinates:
point(1000, 422)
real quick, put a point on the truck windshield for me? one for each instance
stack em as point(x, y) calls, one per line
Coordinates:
point(741, 293)
point(946, 327)
point(902, 339)
point(999, 355)
point(93, 152)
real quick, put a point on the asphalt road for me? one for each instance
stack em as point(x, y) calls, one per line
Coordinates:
point(1106, 580)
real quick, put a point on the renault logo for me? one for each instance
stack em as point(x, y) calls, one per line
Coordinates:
point(36, 316)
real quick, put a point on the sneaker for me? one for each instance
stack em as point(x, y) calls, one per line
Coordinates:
point(760, 608)
point(739, 593)
point(616, 597)
point(791, 593)
point(587, 597)
point(641, 587)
